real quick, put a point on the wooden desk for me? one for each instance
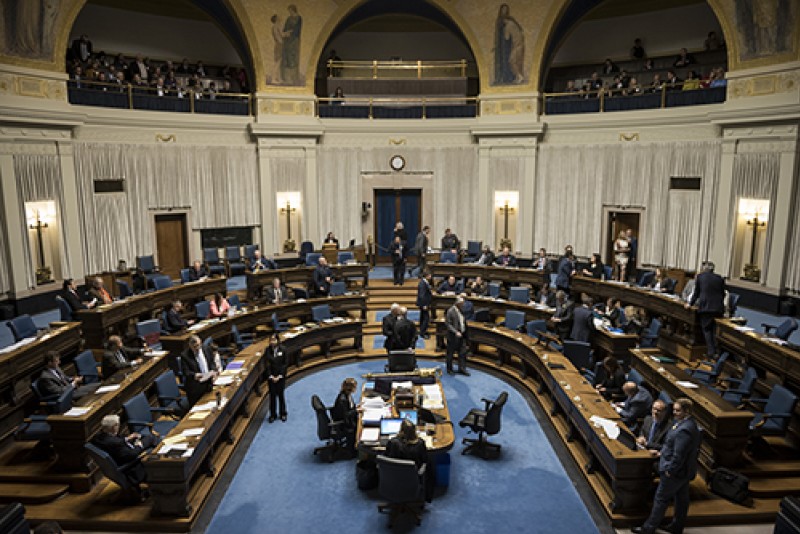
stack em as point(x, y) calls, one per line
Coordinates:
point(507, 275)
point(97, 324)
point(680, 334)
point(726, 427)
point(18, 367)
point(69, 434)
point(262, 315)
point(782, 361)
point(443, 437)
point(171, 480)
point(303, 275)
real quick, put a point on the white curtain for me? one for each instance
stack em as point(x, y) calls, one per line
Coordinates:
point(755, 175)
point(793, 263)
point(38, 180)
point(574, 182)
point(219, 184)
point(339, 193)
point(5, 279)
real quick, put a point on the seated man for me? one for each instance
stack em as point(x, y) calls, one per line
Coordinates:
point(200, 368)
point(541, 263)
point(124, 450)
point(197, 271)
point(175, 321)
point(448, 286)
point(117, 357)
point(637, 403)
point(54, 381)
point(477, 287)
point(546, 296)
point(450, 241)
point(323, 277)
point(655, 427)
point(98, 292)
point(506, 259)
point(70, 294)
point(260, 263)
point(486, 257)
point(277, 293)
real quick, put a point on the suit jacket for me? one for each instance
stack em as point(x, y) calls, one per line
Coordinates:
point(399, 253)
point(74, 301)
point(550, 299)
point(344, 409)
point(451, 242)
point(658, 437)
point(564, 272)
point(123, 453)
point(403, 450)
point(52, 384)
point(680, 450)
point(542, 264)
point(194, 388)
point(405, 334)
point(320, 273)
point(197, 275)
point(261, 265)
point(486, 258)
point(421, 244)
point(387, 329)
point(636, 407)
point(452, 322)
point(445, 287)
point(424, 294)
point(565, 313)
point(709, 294)
point(114, 361)
point(277, 361)
point(597, 270)
point(507, 261)
point(582, 324)
point(478, 290)
point(100, 296)
point(175, 323)
point(271, 296)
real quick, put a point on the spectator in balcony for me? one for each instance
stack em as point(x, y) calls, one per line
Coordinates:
point(637, 50)
point(684, 59)
point(718, 78)
point(633, 88)
point(155, 74)
point(657, 85)
point(160, 88)
point(713, 42)
point(335, 72)
point(102, 82)
point(93, 70)
point(77, 79)
point(692, 81)
point(200, 69)
point(82, 48)
point(119, 81)
point(649, 65)
point(184, 68)
point(139, 86)
point(609, 67)
point(571, 88)
point(594, 83)
point(244, 86)
point(210, 92)
point(170, 81)
point(139, 67)
point(672, 82)
point(120, 65)
point(617, 88)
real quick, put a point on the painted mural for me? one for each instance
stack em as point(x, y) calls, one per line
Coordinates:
point(286, 36)
point(509, 49)
point(29, 27)
point(765, 27)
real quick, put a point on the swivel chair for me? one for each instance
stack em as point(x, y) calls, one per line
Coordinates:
point(401, 361)
point(485, 422)
point(233, 261)
point(519, 294)
point(140, 417)
point(473, 250)
point(776, 415)
point(783, 330)
point(201, 309)
point(64, 309)
point(87, 367)
point(213, 263)
point(22, 327)
point(169, 395)
point(114, 472)
point(402, 485)
point(53, 404)
point(579, 353)
point(321, 312)
point(329, 431)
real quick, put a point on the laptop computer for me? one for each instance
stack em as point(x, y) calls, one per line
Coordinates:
point(411, 415)
point(390, 426)
point(627, 439)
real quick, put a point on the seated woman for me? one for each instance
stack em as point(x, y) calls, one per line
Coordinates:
point(219, 306)
point(345, 410)
point(595, 268)
point(408, 446)
point(661, 282)
point(609, 378)
point(331, 239)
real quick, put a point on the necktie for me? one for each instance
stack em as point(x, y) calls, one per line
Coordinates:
point(121, 357)
point(201, 362)
point(652, 431)
point(61, 376)
point(278, 295)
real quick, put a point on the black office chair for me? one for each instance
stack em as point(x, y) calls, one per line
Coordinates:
point(402, 485)
point(485, 422)
point(12, 519)
point(579, 354)
point(115, 472)
point(401, 361)
point(329, 431)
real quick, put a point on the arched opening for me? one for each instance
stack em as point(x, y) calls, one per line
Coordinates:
point(411, 40)
point(158, 49)
point(622, 47)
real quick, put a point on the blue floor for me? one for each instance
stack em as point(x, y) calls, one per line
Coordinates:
point(281, 487)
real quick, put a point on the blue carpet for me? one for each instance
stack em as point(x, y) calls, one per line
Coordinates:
point(379, 339)
point(281, 487)
point(381, 273)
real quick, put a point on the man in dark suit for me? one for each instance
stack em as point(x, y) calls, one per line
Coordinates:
point(124, 450)
point(260, 263)
point(175, 321)
point(450, 241)
point(563, 316)
point(421, 248)
point(277, 293)
point(399, 252)
point(456, 337)
point(546, 296)
point(677, 467)
point(323, 277)
point(709, 295)
point(633, 246)
point(506, 259)
point(541, 263)
point(277, 365)
point(82, 48)
point(448, 285)
point(637, 403)
point(405, 331)
point(54, 381)
point(99, 293)
point(117, 357)
point(200, 369)
point(70, 294)
point(424, 299)
point(387, 326)
point(582, 321)
point(566, 267)
point(654, 428)
point(197, 271)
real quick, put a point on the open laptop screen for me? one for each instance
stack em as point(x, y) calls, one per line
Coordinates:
point(390, 426)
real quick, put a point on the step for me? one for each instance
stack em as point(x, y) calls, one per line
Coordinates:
point(774, 487)
point(31, 493)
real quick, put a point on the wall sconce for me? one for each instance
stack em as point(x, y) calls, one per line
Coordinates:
point(756, 214)
point(506, 203)
point(288, 203)
point(39, 216)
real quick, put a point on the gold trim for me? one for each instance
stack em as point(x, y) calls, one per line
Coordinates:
point(166, 138)
point(629, 137)
point(397, 141)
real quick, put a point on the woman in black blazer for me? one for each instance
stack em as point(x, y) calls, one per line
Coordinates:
point(595, 269)
point(276, 376)
point(346, 410)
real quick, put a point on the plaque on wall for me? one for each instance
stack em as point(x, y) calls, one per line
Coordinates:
point(226, 237)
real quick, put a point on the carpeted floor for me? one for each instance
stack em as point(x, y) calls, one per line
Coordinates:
point(281, 487)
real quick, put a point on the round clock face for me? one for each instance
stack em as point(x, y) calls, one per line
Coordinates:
point(397, 163)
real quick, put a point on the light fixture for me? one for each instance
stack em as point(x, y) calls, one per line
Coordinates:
point(756, 214)
point(39, 216)
point(506, 203)
point(288, 203)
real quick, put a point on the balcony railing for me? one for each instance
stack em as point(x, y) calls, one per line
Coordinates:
point(128, 96)
point(605, 100)
point(397, 69)
point(398, 108)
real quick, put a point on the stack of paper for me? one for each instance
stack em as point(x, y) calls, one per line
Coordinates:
point(686, 384)
point(407, 385)
point(76, 412)
point(372, 416)
point(609, 427)
point(224, 380)
point(106, 389)
point(193, 432)
point(432, 397)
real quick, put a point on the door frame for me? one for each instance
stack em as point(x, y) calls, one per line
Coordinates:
point(192, 249)
point(604, 227)
point(375, 192)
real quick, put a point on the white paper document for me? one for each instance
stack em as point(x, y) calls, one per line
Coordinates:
point(192, 432)
point(686, 384)
point(372, 433)
point(224, 380)
point(372, 416)
point(106, 389)
point(609, 427)
point(76, 412)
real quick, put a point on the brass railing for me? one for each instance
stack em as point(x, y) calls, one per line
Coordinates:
point(397, 69)
point(602, 95)
point(388, 102)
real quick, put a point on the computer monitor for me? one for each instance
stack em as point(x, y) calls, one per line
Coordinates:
point(411, 415)
point(390, 426)
point(627, 439)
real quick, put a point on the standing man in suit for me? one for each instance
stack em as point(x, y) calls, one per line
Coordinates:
point(677, 467)
point(566, 268)
point(399, 251)
point(70, 295)
point(277, 365)
point(450, 241)
point(124, 450)
point(456, 337)
point(175, 321)
point(405, 331)
point(200, 369)
point(387, 326)
point(709, 295)
point(637, 403)
point(277, 292)
point(421, 248)
point(117, 357)
point(563, 316)
point(323, 277)
point(654, 428)
point(582, 320)
point(424, 299)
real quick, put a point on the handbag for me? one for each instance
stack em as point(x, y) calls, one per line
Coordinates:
point(730, 485)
